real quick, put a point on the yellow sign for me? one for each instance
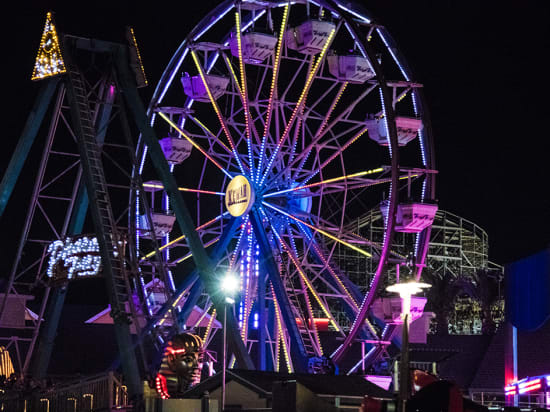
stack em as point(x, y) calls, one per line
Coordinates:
point(239, 196)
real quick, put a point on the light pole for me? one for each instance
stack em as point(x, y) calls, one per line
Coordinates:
point(405, 290)
point(230, 285)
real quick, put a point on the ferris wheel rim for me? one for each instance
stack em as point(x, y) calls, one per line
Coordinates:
point(200, 29)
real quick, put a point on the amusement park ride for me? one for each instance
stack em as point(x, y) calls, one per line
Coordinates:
point(273, 126)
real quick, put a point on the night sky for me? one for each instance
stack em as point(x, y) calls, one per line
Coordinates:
point(483, 67)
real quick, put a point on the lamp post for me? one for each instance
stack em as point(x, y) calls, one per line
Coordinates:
point(405, 290)
point(230, 284)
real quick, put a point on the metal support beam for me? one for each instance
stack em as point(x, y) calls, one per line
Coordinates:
point(299, 354)
point(48, 332)
point(25, 141)
point(183, 217)
point(191, 278)
point(262, 322)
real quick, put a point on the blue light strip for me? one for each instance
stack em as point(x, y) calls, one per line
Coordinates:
point(354, 13)
point(172, 75)
point(217, 19)
point(390, 49)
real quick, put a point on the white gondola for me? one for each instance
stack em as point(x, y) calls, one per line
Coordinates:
point(412, 217)
point(407, 130)
point(353, 69)
point(309, 37)
point(162, 224)
point(256, 47)
point(194, 87)
point(389, 309)
point(175, 150)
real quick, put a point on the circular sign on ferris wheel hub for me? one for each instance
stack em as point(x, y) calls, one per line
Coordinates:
point(239, 196)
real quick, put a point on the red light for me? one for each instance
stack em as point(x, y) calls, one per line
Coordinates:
point(174, 351)
point(320, 323)
point(162, 389)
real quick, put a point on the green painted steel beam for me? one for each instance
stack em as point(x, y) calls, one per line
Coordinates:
point(34, 121)
point(48, 332)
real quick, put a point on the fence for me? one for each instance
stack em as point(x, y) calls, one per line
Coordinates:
point(497, 399)
point(93, 394)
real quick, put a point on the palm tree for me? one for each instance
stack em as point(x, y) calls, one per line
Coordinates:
point(441, 297)
point(487, 292)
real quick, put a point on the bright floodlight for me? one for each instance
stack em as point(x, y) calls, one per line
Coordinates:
point(408, 288)
point(230, 284)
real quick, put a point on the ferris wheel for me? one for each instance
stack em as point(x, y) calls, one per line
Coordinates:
point(282, 122)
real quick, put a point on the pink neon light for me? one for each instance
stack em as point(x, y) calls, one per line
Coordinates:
point(528, 383)
point(530, 388)
point(380, 380)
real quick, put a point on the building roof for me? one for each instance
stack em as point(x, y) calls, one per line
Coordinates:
point(490, 374)
point(458, 356)
point(261, 382)
point(533, 358)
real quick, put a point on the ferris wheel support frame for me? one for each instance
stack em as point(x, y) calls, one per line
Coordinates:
point(205, 268)
point(300, 358)
point(34, 120)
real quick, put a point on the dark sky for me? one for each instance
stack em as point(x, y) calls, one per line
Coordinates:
point(482, 64)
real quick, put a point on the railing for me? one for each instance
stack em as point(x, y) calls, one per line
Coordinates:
point(496, 400)
point(97, 393)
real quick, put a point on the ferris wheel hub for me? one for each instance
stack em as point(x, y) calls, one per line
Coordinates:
point(239, 196)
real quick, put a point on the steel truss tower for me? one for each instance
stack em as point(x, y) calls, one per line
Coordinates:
point(83, 183)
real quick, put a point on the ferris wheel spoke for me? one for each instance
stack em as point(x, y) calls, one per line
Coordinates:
point(314, 340)
point(273, 89)
point(316, 229)
point(208, 335)
point(244, 92)
point(326, 182)
point(335, 101)
point(334, 155)
point(180, 238)
point(305, 279)
point(192, 284)
point(195, 145)
point(316, 251)
point(211, 136)
point(221, 119)
point(278, 287)
point(342, 282)
point(300, 102)
point(189, 254)
point(184, 189)
point(325, 275)
point(281, 337)
point(316, 143)
point(237, 248)
point(245, 101)
point(342, 116)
